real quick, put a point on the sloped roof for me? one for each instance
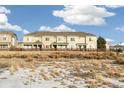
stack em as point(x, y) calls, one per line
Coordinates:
point(41, 33)
point(8, 32)
point(55, 43)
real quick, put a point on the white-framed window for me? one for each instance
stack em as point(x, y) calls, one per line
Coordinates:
point(27, 39)
point(47, 39)
point(4, 38)
point(72, 39)
point(90, 39)
point(90, 46)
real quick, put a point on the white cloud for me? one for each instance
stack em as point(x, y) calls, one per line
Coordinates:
point(3, 19)
point(3, 16)
point(4, 10)
point(25, 31)
point(114, 6)
point(109, 40)
point(84, 15)
point(60, 28)
point(4, 24)
point(122, 43)
point(8, 26)
point(120, 28)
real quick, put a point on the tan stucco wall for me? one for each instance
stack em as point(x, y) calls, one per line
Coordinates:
point(32, 39)
point(63, 39)
point(29, 39)
point(78, 39)
point(107, 46)
point(48, 43)
point(9, 38)
point(72, 44)
point(91, 44)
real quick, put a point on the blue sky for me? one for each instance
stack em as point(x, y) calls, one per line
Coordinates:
point(33, 18)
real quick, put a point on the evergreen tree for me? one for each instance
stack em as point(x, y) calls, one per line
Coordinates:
point(101, 44)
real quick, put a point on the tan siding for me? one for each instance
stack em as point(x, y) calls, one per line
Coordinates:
point(61, 39)
point(8, 38)
point(91, 44)
point(78, 39)
point(49, 42)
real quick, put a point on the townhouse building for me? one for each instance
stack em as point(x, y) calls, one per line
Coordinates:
point(59, 40)
point(7, 39)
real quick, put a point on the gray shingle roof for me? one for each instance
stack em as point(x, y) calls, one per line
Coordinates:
point(41, 33)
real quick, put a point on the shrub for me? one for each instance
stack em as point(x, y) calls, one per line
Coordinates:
point(120, 60)
point(4, 64)
point(29, 59)
point(113, 72)
point(13, 48)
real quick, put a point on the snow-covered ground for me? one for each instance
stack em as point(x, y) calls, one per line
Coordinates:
point(23, 79)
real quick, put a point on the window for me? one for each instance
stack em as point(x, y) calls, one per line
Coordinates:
point(90, 39)
point(27, 39)
point(4, 38)
point(59, 39)
point(90, 47)
point(72, 39)
point(47, 39)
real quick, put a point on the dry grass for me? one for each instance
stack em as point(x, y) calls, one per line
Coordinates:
point(94, 83)
point(14, 64)
point(113, 72)
point(83, 70)
point(120, 60)
point(58, 54)
point(3, 78)
point(56, 73)
point(93, 67)
point(121, 79)
point(45, 77)
point(95, 72)
point(13, 68)
point(29, 58)
point(46, 55)
point(4, 64)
